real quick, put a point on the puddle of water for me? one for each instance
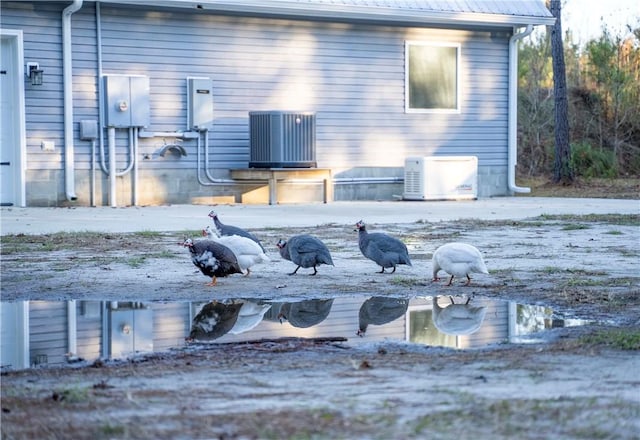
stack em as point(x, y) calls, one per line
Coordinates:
point(37, 333)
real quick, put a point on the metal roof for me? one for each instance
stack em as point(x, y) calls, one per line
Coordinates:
point(413, 12)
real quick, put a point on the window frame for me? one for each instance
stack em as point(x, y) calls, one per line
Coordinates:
point(458, 48)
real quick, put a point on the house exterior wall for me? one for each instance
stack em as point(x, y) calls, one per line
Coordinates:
point(49, 327)
point(48, 330)
point(352, 75)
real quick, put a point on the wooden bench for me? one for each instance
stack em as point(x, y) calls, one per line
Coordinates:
point(273, 175)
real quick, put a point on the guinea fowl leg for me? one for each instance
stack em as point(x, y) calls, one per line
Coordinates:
point(248, 272)
point(214, 281)
point(394, 269)
point(468, 281)
point(450, 281)
point(314, 271)
point(382, 271)
point(294, 272)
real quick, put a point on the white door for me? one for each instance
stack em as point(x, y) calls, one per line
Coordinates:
point(12, 138)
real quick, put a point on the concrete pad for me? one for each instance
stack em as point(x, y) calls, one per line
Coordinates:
point(191, 217)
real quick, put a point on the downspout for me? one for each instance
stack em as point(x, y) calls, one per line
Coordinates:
point(512, 153)
point(67, 75)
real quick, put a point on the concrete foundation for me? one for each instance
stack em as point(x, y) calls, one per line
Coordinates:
point(161, 187)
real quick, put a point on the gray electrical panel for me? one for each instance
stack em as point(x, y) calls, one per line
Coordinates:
point(126, 101)
point(200, 103)
point(131, 329)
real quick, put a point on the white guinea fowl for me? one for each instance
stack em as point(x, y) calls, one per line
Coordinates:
point(458, 319)
point(251, 314)
point(458, 260)
point(247, 251)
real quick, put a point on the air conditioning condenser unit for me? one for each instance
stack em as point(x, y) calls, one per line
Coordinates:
point(441, 178)
point(282, 139)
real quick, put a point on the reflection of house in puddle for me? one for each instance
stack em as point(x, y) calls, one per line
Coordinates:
point(55, 332)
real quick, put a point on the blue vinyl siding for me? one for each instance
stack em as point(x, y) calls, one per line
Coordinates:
point(351, 75)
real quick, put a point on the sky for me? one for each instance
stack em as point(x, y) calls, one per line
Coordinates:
point(584, 17)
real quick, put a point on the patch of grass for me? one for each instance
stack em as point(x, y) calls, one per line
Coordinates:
point(583, 272)
point(135, 262)
point(509, 418)
point(548, 270)
point(163, 254)
point(621, 339)
point(111, 431)
point(614, 219)
point(614, 232)
point(190, 233)
point(574, 227)
point(585, 282)
point(71, 395)
point(406, 282)
point(147, 234)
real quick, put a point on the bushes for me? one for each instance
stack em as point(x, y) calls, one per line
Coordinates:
point(604, 106)
point(591, 162)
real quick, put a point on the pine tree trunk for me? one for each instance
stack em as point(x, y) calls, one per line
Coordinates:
point(562, 171)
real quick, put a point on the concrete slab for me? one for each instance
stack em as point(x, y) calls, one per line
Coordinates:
point(191, 217)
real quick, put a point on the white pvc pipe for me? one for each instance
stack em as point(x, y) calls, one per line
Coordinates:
point(512, 139)
point(134, 160)
point(72, 328)
point(212, 180)
point(93, 172)
point(112, 166)
point(67, 75)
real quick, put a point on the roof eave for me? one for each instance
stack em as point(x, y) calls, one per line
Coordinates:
point(342, 12)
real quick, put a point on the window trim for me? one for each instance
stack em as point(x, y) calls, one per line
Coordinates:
point(458, 47)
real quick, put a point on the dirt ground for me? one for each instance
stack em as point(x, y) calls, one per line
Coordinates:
point(578, 383)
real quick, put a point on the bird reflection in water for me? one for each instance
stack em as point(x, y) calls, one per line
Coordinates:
point(303, 314)
point(380, 310)
point(216, 319)
point(458, 319)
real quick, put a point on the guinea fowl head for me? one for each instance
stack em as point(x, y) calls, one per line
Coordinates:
point(281, 243)
point(208, 232)
point(213, 215)
point(187, 242)
point(360, 226)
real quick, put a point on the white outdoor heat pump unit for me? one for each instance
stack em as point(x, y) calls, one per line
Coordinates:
point(440, 178)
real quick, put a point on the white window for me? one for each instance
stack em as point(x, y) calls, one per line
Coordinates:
point(432, 77)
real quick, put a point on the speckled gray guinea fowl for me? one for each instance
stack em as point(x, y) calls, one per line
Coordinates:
point(213, 259)
point(305, 251)
point(385, 250)
point(380, 310)
point(232, 230)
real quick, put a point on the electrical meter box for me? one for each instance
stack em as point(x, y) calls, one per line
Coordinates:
point(126, 101)
point(131, 330)
point(200, 103)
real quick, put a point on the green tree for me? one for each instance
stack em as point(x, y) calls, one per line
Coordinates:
point(535, 105)
point(613, 74)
